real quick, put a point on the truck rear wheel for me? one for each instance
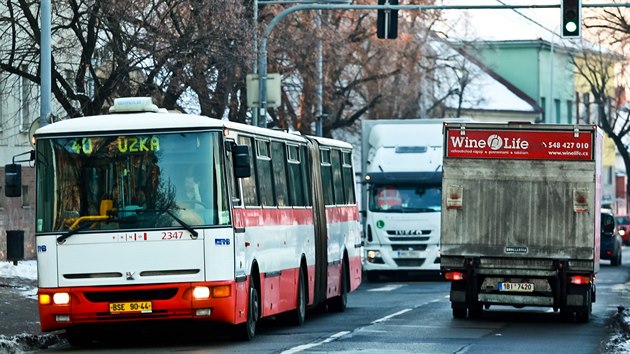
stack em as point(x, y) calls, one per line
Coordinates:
point(459, 312)
point(458, 298)
point(475, 310)
point(584, 315)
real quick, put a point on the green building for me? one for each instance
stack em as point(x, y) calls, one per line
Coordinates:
point(541, 69)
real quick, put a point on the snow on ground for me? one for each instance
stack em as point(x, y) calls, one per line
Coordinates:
point(24, 269)
point(21, 279)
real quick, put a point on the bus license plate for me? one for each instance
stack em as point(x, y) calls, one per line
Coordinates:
point(122, 307)
point(516, 287)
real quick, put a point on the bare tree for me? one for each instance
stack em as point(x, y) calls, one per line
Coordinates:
point(189, 55)
point(602, 67)
point(363, 76)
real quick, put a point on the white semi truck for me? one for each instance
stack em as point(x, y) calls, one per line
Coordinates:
point(521, 216)
point(401, 174)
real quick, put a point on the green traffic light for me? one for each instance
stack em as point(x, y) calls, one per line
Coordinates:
point(571, 27)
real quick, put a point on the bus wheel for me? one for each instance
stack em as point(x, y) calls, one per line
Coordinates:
point(246, 331)
point(299, 314)
point(339, 303)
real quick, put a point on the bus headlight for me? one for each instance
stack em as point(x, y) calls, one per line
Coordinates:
point(201, 292)
point(61, 298)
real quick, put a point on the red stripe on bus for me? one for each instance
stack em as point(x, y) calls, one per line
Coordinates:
point(248, 217)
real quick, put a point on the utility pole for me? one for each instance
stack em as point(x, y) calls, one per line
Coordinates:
point(45, 65)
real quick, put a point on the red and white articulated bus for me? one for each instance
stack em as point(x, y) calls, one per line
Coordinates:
point(146, 215)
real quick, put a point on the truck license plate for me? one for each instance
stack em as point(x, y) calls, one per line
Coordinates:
point(121, 307)
point(408, 254)
point(516, 287)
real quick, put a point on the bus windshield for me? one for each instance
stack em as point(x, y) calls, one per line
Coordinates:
point(138, 181)
point(407, 198)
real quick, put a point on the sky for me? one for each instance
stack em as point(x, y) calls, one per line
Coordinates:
point(503, 24)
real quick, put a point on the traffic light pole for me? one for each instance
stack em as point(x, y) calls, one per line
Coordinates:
point(262, 63)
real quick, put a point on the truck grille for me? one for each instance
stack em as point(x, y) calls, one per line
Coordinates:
point(409, 247)
point(409, 262)
point(408, 238)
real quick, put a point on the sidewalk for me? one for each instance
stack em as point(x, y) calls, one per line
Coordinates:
point(18, 306)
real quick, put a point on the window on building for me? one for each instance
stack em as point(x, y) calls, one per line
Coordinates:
point(25, 197)
point(543, 105)
point(610, 175)
point(2, 110)
point(556, 106)
point(25, 105)
point(570, 111)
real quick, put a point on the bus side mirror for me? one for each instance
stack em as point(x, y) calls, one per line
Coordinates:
point(13, 180)
point(242, 168)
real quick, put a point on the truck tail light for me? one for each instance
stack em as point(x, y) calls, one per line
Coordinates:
point(580, 279)
point(454, 276)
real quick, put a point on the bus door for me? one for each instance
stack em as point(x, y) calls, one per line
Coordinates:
point(236, 201)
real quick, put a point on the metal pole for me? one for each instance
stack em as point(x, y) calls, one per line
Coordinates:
point(320, 77)
point(45, 64)
point(255, 64)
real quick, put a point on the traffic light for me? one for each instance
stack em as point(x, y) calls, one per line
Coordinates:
point(387, 21)
point(571, 18)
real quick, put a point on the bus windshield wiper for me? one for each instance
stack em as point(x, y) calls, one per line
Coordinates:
point(76, 225)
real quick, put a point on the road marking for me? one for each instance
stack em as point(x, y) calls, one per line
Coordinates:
point(388, 287)
point(390, 316)
point(303, 347)
point(338, 335)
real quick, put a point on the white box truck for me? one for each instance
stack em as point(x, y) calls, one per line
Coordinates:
point(401, 174)
point(521, 216)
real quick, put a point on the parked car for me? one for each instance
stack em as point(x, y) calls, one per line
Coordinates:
point(610, 246)
point(623, 223)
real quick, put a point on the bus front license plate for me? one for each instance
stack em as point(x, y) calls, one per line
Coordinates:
point(124, 307)
point(516, 287)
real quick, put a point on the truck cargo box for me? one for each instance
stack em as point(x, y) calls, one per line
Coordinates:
point(521, 204)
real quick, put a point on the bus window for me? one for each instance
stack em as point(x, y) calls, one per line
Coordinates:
point(263, 172)
point(336, 176)
point(250, 193)
point(279, 161)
